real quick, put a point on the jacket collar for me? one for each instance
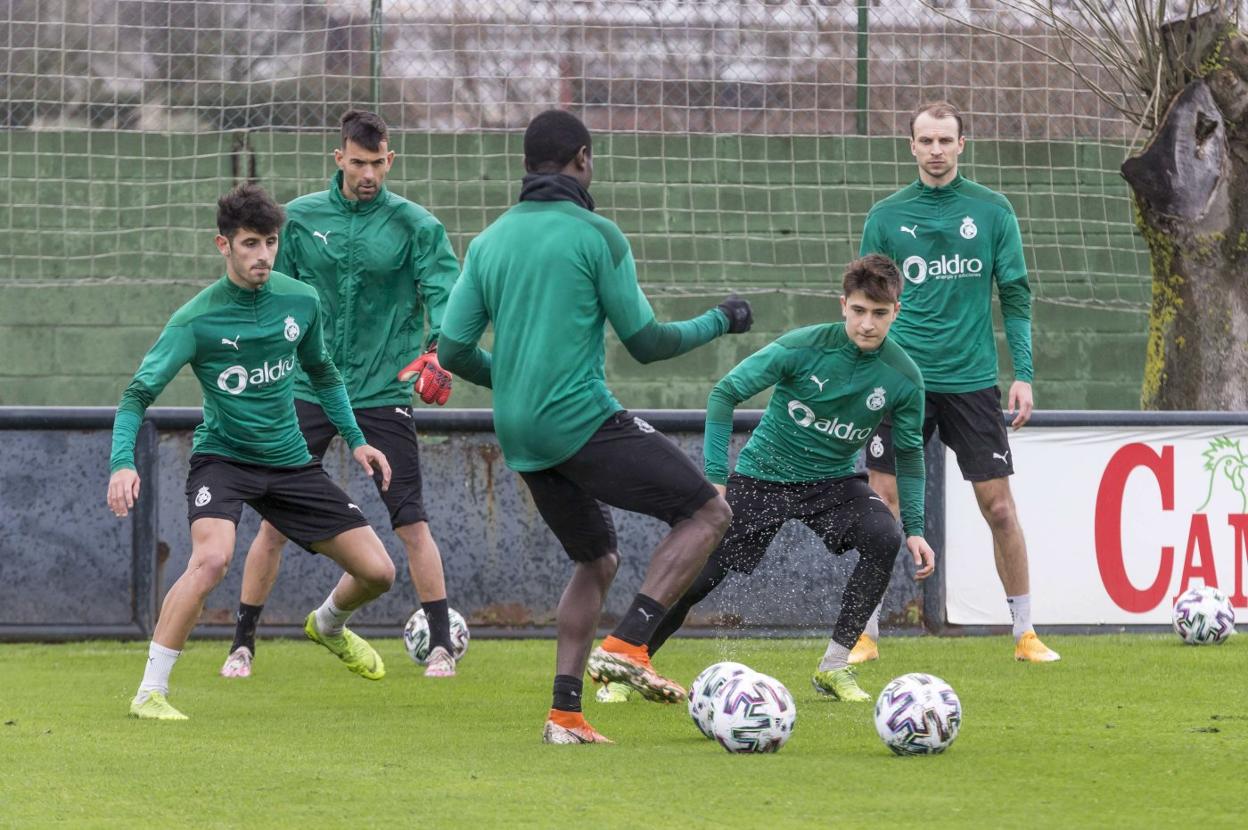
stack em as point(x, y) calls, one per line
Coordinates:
point(244, 295)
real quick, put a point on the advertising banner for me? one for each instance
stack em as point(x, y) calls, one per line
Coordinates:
point(1119, 521)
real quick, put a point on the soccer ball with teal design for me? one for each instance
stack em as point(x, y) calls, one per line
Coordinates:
point(703, 688)
point(752, 713)
point(918, 714)
point(1203, 616)
point(416, 636)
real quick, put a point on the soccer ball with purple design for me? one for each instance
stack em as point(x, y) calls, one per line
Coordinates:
point(703, 688)
point(416, 636)
point(752, 713)
point(918, 714)
point(1203, 616)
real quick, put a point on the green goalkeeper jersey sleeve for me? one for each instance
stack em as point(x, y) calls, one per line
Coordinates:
point(384, 270)
point(953, 244)
point(829, 396)
point(549, 275)
point(243, 347)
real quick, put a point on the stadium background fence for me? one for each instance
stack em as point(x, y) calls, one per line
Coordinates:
point(739, 145)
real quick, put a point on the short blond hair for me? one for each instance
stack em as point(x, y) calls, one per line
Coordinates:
point(937, 109)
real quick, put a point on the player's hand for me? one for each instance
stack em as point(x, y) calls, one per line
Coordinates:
point(740, 315)
point(433, 383)
point(374, 463)
point(924, 556)
point(123, 492)
point(1020, 403)
point(722, 489)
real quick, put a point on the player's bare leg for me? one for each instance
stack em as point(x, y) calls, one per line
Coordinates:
point(264, 559)
point(212, 548)
point(577, 621)
point(996, 503)
point(623, 656)
point(424, 564)
point(369, 574)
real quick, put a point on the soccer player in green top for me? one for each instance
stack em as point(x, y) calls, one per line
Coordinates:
point(243, 336)
point(833, 384)
point(548, 274)
point(380, 264)
point(955, 239)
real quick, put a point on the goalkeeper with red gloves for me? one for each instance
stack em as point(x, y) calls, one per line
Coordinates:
point(380, 264)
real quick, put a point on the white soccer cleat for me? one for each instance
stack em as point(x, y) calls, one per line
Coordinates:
point(440, 663)
point(238, 664)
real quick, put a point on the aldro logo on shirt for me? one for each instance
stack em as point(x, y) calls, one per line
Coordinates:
point(237, 378)
point(944, 267)
point(805, 417)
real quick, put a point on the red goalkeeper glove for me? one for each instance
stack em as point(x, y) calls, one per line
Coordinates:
point(433, 383)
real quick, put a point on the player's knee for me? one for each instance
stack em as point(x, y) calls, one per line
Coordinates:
point(269, 541)
point(210, 566)
point(717, 514)
point(999, 512)
point(880, 537)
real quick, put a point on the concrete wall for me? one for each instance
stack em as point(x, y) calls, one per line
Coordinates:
point(65, 560)
point(103, 235)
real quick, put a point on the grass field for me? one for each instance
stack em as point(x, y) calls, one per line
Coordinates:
point(1127, 731)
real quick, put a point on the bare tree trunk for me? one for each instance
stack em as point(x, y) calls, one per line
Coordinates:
point(1191, 191)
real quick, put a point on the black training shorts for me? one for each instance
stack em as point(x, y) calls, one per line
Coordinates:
point(301, 502)
point(386, 428)
point(970, 424)
point(832, 508)
point(626, 464)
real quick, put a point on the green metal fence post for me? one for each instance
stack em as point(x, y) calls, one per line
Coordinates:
point(376, 18)
point(862, 65)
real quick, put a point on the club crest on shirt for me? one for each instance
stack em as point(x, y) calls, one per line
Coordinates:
point(877, 447)
point(292, 329)
point(202, 496)
point(968, 229)
point(875, 401)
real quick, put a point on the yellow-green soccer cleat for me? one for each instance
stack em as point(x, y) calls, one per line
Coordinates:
point(615, 693)
point(350, 648)
point(841, 684)
point(153, 706)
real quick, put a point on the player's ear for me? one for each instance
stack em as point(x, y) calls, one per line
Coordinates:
point(844, 309)
point(338, 156)
point(223, 245)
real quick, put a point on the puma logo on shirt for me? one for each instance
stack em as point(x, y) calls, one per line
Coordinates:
point(324, 237)
point(818, 382)
point(910, 230)
point(225, 341)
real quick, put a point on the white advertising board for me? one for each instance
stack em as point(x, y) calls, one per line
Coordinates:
point(1119, 521)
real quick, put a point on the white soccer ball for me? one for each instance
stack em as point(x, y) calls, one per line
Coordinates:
point(1203, 615)
point(416, 636)
point(752, 713)
point(704, 687)
point(918, 714)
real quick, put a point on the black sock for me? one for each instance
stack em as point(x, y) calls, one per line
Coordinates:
point(438, 615)
point(642, 618)
point(712, 574)
point(245, 627)
point(567, 696)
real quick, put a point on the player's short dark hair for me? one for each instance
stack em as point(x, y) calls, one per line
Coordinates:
point(553, 139)
point(248, 206)
point(937, 109)
point(364, 128)
point(874, 275)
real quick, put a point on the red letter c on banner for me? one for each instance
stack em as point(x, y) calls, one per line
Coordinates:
point(1109, 526)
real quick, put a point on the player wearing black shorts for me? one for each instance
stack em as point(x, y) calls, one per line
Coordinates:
point(954, 241)
point(380, 264)
point(833, 384)
point(243, 336)
point(548, 274)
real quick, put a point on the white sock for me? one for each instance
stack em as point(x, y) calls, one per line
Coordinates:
point(160, 662)
point(1020, 611)
point(836, 657)
point(873, 624)
point(330, 619)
